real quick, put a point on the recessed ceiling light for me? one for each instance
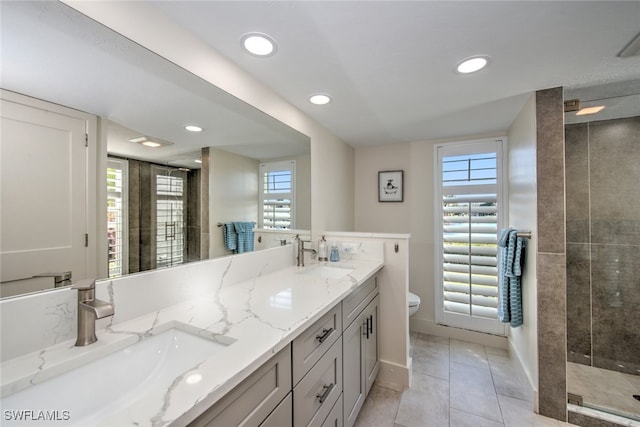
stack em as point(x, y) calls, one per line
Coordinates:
point(148, 142)
point(471, 65)
point(259, 44)
point(193, 128)
point(197, 161)
point(320, 99)
point(590, 110)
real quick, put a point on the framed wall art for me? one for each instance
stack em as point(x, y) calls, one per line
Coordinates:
point(390, 186)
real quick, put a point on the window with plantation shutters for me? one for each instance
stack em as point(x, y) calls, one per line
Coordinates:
point(277, 195)
point(116, 216)
point(469, 212)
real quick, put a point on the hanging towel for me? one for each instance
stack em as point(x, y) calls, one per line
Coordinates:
point(230, 237)
point(510, 256)
point(245, 235)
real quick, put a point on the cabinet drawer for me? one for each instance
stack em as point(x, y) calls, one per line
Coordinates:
point(252, 400)
point(282, 416)
point(353, 304)
point(309, 347)
point(334, 419)
point(314, 396)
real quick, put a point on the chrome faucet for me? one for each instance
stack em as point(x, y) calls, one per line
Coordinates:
point(89, 309)
point(302, 250)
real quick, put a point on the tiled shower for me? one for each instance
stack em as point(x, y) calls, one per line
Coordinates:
point(602, 160)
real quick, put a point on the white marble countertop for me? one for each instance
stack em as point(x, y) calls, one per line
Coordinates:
point(261, 316)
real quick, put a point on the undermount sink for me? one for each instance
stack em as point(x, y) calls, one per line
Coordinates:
point(116, 381)
point(336, 271)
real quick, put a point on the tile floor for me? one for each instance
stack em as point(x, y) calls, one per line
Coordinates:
point(604, 388)
point(455, 384)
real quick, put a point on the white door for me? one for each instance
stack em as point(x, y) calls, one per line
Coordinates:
point(43, 191)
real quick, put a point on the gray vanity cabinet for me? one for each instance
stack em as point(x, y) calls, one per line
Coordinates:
point(319, 380)
point(361, 361)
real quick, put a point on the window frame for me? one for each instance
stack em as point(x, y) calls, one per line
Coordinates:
point(123, 166)
point(469, 147)
point(283, 165)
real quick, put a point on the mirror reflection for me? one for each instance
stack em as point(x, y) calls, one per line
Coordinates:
point(165, 204)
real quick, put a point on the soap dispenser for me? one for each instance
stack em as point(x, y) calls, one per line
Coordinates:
point(322, 250)
point(334, 255)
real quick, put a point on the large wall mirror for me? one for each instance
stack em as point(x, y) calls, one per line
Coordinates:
point(53, 53)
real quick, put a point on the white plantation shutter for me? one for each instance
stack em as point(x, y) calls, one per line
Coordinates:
point(116, 216)
point(277, 201)
point(469, 204)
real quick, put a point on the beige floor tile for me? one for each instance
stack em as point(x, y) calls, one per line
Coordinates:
point(431, 356)
point(380, 408)
point(508, 378)
point(425, 404)
point(519, 413)
point(464, 419)
point(467, 353)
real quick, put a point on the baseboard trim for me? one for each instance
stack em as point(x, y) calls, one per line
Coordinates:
point(394, 376)
point(425, 326)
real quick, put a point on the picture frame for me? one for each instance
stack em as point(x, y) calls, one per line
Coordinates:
point(391, 186)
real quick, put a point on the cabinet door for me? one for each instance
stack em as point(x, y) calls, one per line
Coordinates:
point(334, 419)
point(371, 351)
point(282, 416)
point(314, 396)
point(310, 345)
point(354, 384)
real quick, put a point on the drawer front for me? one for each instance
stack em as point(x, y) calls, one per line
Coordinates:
point(353, 304)
point(282, 416)
point(334, 419)
point(314, 396)
point(309, 347)
point(253, 399)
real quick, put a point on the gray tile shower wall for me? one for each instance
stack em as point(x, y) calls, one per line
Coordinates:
point(551, 257)
point(603, 240)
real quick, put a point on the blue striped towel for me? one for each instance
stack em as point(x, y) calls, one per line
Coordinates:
point(245, 235)
point(510, 259)
point(230, 237)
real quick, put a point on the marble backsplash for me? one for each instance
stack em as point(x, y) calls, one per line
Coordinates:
point(32, 322)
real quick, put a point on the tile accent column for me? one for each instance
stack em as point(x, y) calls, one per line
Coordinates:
point(204, 203)
point(551, 257)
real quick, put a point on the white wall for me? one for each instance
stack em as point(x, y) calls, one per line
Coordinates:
point(331, 159)
point(522, 215)
point(233, 194)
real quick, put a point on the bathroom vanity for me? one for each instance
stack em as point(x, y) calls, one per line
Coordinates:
point(258, 340)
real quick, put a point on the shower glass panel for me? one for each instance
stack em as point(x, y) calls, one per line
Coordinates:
point(602, 154)
point(171, 202)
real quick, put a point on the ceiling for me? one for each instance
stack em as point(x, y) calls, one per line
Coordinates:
point(52, 52)
point(389, 66)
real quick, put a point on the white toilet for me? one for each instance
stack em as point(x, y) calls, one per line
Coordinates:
point(414, 303)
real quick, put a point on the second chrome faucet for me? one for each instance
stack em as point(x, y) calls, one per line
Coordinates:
point(302, 250)
point(89, 309)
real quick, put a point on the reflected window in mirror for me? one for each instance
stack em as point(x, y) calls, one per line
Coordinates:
point(171, 204)
point(277, 198)
point(117, 216)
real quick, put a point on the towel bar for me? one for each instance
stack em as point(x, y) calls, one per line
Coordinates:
point(524, 234)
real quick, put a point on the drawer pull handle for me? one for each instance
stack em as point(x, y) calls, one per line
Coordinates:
point(325, 335)
point(327, 391)
point(370, 324)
